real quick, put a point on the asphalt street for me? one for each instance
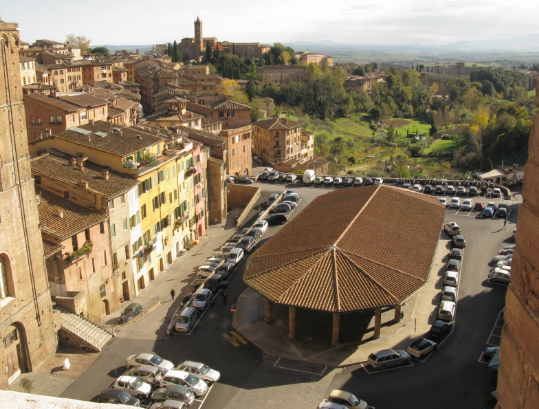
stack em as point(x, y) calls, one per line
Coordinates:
point(451, 378)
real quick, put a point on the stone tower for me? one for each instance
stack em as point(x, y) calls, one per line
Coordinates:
point(199, 40)
point(27, 327)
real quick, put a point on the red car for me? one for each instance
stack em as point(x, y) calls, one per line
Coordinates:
point(479, 206)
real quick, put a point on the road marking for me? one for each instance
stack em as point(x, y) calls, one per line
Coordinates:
point(205, 396)
point(299, 370)
point(230, 339)
point(374, 371)
point(239, 337)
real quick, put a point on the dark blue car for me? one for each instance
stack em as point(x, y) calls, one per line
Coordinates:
point(488, 212)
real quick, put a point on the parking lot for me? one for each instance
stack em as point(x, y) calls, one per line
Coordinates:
point(247, 374)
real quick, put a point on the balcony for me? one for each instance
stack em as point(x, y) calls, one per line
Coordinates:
point(182, 219)
point(278, 138)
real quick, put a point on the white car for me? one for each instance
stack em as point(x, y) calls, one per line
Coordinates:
point(451, 278)
point(206, 271)
point(262, 225)
point(446, 311)
point(175, 378)
point(358, 181)
point(149, 359)
point(235, 256)
point(467, 204)
point(443, 201)
point(328, 180)
point(421, 347)
point(417, 188)
point(378, 181)
point(168, 404)
point(455, 202)
point(501, 257)
point(203, 299)
point(338, 399)
point(201, 371)
point(133, 386)
point(500, 275)
point(146, 373)
point(504, 263)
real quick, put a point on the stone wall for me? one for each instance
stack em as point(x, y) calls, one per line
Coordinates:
point(518, 377)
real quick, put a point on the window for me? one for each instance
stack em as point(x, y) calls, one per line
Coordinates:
point(104, 257)
point(74, 242)
point(72, 119)
point(170, 197)
point(83, 116)
point(163, 197)
point(115, 259)
point(125, 223)
point(102, 227)
point(175, 195)
point(38, 180)
point(111, 204)
point(58, 119)
point(147, 236)
point(122, 198)
point(143, 211)
point(51, 120)
point(87, 234)
point(113, 231)
point(6, 283)
point(93, 264)
point(127, 251)
point(102, 291)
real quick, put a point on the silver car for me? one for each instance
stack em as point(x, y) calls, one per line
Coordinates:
point(201, 371)
point(203, 299)
point(500, 275)
point(449, 293)
point(387, 358)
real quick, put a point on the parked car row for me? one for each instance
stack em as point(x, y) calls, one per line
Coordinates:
point(502, 262)
point(346, 181)
point(443, 188)
point(275, 176)
point(152, 378)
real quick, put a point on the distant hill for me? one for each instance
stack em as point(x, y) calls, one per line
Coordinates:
point(132, 48)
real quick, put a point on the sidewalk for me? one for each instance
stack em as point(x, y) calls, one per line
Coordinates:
point(419, 313)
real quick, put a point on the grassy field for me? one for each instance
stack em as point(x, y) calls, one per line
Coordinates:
point(531, 93)
point(446, 146)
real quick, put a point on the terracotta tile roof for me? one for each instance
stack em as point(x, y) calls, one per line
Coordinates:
point(75, 218)
point(50, 248)
point(201, 136)
point(124, 104)
point(350, 250)
point(277, 124)
point(114, 112)
point(83, 100)
point(129, 142)
point(229, 104)
point(57, 165)
point(164, 115)
point(55, 102)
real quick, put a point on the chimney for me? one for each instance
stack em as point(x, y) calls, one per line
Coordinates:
point(105, 174)
point(84, 184)
point(74, 162)
point(61, 214)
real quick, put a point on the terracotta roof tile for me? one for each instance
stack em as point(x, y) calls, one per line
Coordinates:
point(83, 100)
point(229, 104)
point(277, 123)
point(55, 102)
point(350, 250)
point(50, 248)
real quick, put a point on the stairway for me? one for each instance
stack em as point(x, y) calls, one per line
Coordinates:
point(82, 328)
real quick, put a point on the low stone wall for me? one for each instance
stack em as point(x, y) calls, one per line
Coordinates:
point(243, 196)
point(70, 340)
point(75, 301)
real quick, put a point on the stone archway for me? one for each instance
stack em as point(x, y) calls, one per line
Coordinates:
point(246, 172)
point(15, 351)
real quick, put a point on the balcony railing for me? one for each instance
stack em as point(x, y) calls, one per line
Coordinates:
point(183, 218)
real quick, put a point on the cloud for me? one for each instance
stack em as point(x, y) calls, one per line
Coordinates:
point(361, 7)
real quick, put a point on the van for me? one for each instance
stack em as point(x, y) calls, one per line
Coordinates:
point(235, 256)
point(308, 176)
point(446, 311)
point(187, 319)
point(273, 198)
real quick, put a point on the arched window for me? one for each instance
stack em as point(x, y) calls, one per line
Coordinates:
point(6, 280)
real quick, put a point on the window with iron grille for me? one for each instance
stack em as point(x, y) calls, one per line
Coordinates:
point(102, 291)
point(10, 338)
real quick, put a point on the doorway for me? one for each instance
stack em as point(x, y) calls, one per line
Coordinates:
point(169, 257)
point(107, 308)
point(151, 274)
point(161, 264)
point(14, 353)
point(141, 284)
point(125, 290)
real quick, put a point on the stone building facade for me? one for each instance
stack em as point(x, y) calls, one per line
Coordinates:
point(518, 375)
point(279, 74)
point(27, 322)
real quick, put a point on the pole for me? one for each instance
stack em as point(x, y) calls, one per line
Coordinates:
point(415, 325)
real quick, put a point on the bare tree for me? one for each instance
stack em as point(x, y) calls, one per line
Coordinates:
point(79, 41)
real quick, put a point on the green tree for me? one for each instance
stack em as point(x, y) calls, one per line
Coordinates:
point(175, 52)
point(169, 50)
point(101, 51)
point(403, 172)
point(208, 51)
point(359, 71)
point(79, 41)
point(376, 114)
point(234, 48)
point(487, 165)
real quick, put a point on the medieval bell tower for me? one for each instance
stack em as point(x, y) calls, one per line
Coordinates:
point(198, 38)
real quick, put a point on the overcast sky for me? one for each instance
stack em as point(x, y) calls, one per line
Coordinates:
point(138, 22)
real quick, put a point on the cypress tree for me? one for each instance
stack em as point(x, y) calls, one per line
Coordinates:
point(487, 165)
point(234, 48)
point(175, 52)
point(169, 50)
point(208, 51)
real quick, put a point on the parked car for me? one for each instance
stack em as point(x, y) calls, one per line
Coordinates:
point(146, 373)
point(503, 206)
point(443, 201)
point(439, 329)
point(262, 225)
point(455, 202)
point(421, 347)
point(291, 178)
point(175, 377)
point(488, 212)
point(168, 404)
point(130, 312)
point(502, 212)
point(417, 188)
point(273, 176)
point(248, 243)
point(291, 198)
point(452, 228)
point(378, 181)
point(369, 181)
point(244, 180)
point(187, 319)
point(236, 255)
point(428, 189)
point(272, 198)
point(149, 359)
point(451, 278)
point(337, 181)
point(446, 311)
point(358, 181)
point(293, 205)
point(439, 189)
point(449, 293)
point(473, 191)
point(203, 298)
point(387, 358)
point(133, 386)
point(282, 177)
point(201, 371)
point(500, 275)
point(206, 271)
point(496, 192)
point(347, 181)
point(186, 300)
point(328, 180)
point(264, 175)
point(319, 180)
point(504, 263)
point(461, 191)
point(229, 179)
point(453, 265)
point(467, 204)
point(502, 257)
point(177, 392)
point(225, 270)
point(195, 285)
point(116, 397)
point(458, 241)
point(280, 208)
point(456, 254)
point(406, 185)
point(479, 206)
point(450, 190)
point(338, 399)
point(277, 218)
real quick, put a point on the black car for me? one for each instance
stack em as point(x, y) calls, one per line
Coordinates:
point(264, 175)
point(117, 397)
point(243, 179)
point(130, 312)
point(369, 181)
point(456, 254)
point(280, 208)
point(502, 212)
point(282, 177)
point(247, 243)
point(439, 189)
point(225, 270)
point(458, 241)
point(273, 176)
point(277, 218)
point(439, 329)
point(473, 191)
point(348, 181)
point(215, 283)
point(428, 189)
point(186, 299)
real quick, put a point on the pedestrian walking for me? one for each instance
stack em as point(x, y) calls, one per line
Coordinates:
point(505, 224)
point(224, 297)
point(172, 294)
